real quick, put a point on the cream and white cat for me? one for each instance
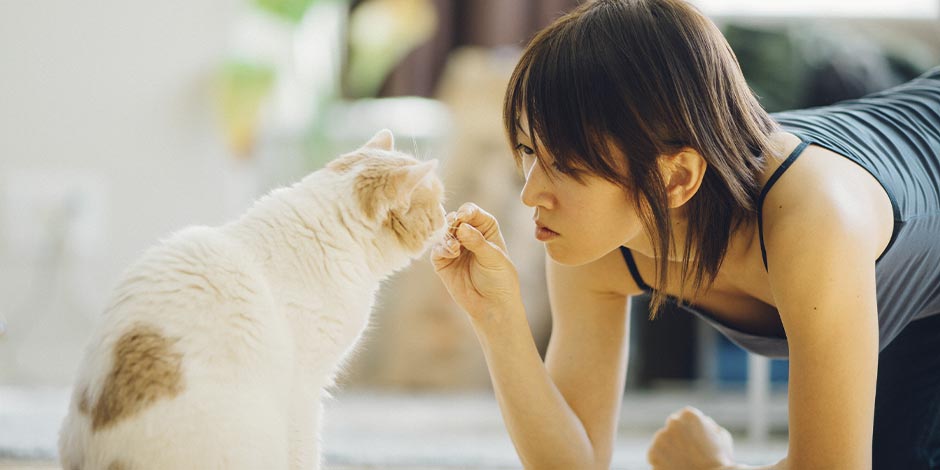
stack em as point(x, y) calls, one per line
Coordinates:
point(219, 342)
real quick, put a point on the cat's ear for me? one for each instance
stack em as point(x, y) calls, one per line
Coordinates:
point(382, 140)
point(407, 179)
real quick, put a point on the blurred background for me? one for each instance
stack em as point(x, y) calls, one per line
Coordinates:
point(121, 122)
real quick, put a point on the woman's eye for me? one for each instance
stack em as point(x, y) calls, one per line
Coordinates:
point(525, 149)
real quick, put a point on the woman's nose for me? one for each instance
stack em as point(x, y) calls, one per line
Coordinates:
point(535, 191)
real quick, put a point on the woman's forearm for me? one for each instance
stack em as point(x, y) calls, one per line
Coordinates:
point(547, 434)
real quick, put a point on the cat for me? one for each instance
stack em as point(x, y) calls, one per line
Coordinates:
point(219, 343)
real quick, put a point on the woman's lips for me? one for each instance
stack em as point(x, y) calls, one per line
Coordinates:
point(544, 234)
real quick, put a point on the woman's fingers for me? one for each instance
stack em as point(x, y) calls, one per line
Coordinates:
point(483, 221)
point(476, 216)
point(444, 252)
point(471, 260)
point(488, 254)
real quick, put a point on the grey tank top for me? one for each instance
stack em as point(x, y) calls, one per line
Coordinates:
point(894, 135)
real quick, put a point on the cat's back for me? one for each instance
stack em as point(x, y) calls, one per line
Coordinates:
point(194, 271)
point(200, 287)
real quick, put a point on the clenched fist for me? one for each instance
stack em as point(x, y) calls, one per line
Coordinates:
point(691, 441)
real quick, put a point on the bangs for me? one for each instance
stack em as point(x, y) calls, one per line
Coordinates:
point(563, 100)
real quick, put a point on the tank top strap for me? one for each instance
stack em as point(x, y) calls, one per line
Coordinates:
point(631, 264)
point(763, 194)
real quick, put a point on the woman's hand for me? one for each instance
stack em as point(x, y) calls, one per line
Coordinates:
point(472, 262)
point(691, 441)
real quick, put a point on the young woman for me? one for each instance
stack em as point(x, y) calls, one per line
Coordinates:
point(650, 166)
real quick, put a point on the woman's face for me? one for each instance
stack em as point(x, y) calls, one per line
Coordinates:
point(579, 221)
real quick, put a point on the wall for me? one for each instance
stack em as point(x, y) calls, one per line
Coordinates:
point(111, 99)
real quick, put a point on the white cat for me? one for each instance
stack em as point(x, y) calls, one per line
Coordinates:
point(218, 343)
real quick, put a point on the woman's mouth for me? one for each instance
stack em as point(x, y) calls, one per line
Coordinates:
point(544, 234)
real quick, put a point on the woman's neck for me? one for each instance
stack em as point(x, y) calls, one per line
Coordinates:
point(739, 254)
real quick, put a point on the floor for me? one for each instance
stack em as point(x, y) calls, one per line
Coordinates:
point(381, 430)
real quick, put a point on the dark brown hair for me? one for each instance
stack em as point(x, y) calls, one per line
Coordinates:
point(647, 78)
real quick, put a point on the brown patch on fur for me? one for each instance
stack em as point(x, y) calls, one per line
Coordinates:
point(117, 465)
point(145, 369)
point(374, 183)
point(414, 226)
point(83, 406)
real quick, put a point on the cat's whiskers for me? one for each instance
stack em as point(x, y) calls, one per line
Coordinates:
point(451, 232)
point(448, 195)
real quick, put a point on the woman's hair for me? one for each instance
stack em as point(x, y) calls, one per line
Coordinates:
point(614, 84)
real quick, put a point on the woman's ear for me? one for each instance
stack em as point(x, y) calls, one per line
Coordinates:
point(683, 173)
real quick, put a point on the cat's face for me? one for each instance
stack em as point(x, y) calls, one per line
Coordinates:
point(400, 195)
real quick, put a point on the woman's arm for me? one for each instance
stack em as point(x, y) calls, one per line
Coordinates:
point(562, 413)
point(822, 236)
point(541, 411)
point(825, 291)
point(821, 263)
point(824, 287)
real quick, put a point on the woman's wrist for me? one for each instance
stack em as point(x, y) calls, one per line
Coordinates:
point(499, 320)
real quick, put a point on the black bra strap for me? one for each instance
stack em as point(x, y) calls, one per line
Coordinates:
point(773, 179)
point(628, 257)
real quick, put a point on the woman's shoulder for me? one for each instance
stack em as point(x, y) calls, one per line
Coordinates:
point(822, 193)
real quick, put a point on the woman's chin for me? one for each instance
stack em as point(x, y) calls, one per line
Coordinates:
point(563, 254)
point(564, 257)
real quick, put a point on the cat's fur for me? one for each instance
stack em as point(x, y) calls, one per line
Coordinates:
point(218, 343)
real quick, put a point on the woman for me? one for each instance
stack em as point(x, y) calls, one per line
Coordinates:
point(650, 166)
